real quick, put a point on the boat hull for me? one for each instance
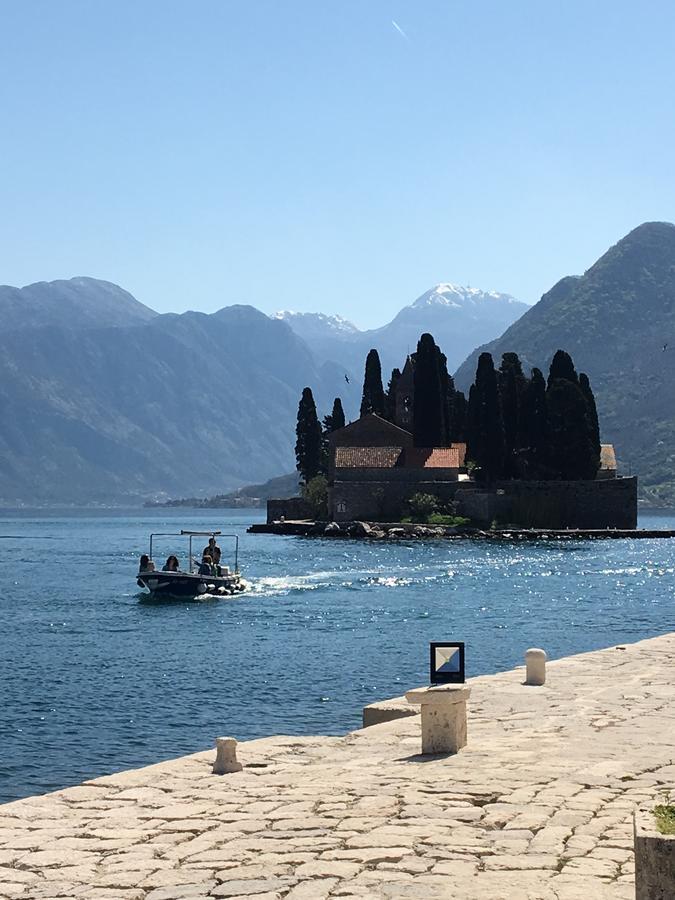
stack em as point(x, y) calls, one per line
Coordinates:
point(180, 584)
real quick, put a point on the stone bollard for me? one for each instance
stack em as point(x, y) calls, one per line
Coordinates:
point(226, 756)
point(443, 708)
point(535, 662)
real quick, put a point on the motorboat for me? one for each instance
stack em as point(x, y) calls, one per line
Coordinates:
point(191, 583)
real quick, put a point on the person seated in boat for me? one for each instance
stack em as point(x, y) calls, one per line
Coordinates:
point(146, 564)
point(171, 564)
point(213, 550)
point(207, 567)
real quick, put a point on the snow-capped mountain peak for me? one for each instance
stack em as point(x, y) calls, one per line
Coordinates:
point(453, 295)
point(320, 322)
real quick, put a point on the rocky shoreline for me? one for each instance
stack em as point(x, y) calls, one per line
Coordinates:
point(407, 531)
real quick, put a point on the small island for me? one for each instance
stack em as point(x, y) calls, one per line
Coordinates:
point(520, 453)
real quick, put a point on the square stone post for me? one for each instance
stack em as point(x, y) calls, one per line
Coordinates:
point(443, 708)
point(654, 857)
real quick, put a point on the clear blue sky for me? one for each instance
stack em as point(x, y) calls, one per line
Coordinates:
point(308, 155)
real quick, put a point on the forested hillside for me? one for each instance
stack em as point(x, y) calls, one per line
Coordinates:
point(618, 322)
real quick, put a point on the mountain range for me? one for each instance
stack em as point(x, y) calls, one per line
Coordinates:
point(618, 323)
point(458, 317)
point(104, 400)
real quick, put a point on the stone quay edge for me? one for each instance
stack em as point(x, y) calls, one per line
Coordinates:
point(537, 806)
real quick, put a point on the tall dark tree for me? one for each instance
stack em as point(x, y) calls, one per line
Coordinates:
point(485, 430)
point(428, 412)
point(534, 429)
point(331, 423)
point(562, 367)
point(373, 400)
point(336, 419)
point(447, 399)
point(471, 431)
point(592, 412)
point(391, 394)
point(309, 439)
point(459, 409)
point(511, 388)
point(572, 451)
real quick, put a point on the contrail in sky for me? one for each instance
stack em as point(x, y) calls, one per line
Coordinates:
point(399, 29)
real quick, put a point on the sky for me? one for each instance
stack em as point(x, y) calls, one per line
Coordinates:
point(338, 157)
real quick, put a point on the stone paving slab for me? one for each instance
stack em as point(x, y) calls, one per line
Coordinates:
point(538, 806)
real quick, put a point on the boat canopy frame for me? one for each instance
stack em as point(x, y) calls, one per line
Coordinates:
point(190, 534)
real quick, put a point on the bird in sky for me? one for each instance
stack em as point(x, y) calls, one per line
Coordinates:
point(346, 379)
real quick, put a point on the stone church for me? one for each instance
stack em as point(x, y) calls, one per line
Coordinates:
point(374, 469)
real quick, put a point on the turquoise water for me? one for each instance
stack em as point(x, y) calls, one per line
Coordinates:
point(94, 681)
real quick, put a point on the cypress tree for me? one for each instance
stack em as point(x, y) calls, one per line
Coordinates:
point(592, 413)
point(391, 394)
point(459, 412)
point(485, 422)
point(471, 428)
point(534, 427)
point(447, 399)
point(309, 438)
point(336, 419)
point(572, 452)
point(511, 387)
point(373, 393)
point(562, 367)
point(428, 417)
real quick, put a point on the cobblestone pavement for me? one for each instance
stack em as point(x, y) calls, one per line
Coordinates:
point(538, 806)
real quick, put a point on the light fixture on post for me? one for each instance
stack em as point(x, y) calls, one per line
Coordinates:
point(443, 703)
point(446, 662)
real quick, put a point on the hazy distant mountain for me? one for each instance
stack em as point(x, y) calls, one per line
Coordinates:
point(618, 322)
point(176, 404)
point(317, 325)
point(76, 303)
point(458, 318)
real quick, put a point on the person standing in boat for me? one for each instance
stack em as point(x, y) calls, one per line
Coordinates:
point(213, 550)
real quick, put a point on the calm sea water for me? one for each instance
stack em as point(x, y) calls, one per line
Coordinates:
point(94, 680)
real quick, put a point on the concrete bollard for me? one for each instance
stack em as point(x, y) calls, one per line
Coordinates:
point(226, 756)
point(535, 663)
point(443, 709)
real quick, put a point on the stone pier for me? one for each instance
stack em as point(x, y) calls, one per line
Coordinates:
point(537, 806)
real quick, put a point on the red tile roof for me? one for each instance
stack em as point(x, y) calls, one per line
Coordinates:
point(367, 457)
point(461, 450)
point(432, 458)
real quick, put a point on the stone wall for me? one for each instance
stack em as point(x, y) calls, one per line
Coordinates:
point(604, 503)
point(383, 499)
point(398, 474)
point(288, 508)
point(380, 494)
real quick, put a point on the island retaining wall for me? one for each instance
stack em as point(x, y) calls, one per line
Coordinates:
point(604, 503)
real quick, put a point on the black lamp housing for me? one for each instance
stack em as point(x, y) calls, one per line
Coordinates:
point(446, 662)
